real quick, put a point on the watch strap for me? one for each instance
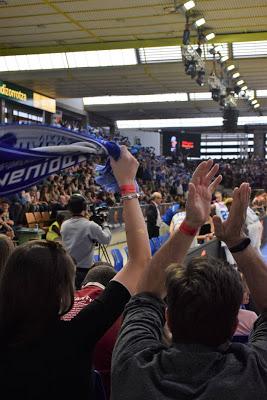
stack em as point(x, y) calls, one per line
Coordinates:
point(241, 246)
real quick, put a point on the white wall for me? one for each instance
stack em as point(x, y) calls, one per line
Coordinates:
point(147, 138)
point(74, 104)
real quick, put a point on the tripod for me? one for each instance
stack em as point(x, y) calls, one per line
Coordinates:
point(103, 253)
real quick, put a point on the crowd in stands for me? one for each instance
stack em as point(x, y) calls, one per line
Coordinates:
point(180, 322)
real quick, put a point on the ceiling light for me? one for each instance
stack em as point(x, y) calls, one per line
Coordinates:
point(236, 75)
point(239, 83)
point(199, 22)
point(201, 77)
point(210, 36)
point(256, 106)
point(188, 5)
point(230, 67)
point(244, 88)
point(223, 59)
point(254, 102)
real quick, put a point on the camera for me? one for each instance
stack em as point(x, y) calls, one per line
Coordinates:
point(99, 214)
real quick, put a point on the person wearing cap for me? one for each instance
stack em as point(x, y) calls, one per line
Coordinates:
point(79, 236)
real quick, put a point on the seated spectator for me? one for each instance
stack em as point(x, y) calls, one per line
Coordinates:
point(203, 300)
point(206, 232)
point(51, 358)
point(93, 285)
point(5, 228)
point(5, 215)
point(53, 232)
point(6, 248)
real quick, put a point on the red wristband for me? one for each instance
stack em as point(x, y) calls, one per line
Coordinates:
point(125, 189)
point(187, 230)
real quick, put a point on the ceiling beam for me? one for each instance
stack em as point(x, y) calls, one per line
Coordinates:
point(225, 38)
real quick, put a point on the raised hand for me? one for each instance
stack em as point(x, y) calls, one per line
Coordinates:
point(125, 168)
point(200, 192)
point(231, 230)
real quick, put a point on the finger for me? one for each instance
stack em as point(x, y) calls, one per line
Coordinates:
point(213, 186)
point(201, 168)
point(124, 150)
point(202, 171)
point(211, 173)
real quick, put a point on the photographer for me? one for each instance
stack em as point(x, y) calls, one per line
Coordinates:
point(79, 236)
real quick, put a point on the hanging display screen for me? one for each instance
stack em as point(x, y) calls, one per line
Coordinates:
point(177, 142)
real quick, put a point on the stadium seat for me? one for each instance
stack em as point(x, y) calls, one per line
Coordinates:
point(97, 258)
point(38, 218)
point(152, 247)
point(156, 242)
point(162, 239)
point(30, 218)
point(118, 259)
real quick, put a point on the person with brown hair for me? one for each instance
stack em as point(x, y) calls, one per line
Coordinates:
point(6, 248)
point(42, 356)
point(203, 300)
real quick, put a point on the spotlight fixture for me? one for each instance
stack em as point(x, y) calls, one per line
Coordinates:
point(188, 6)
point(215, 94)
point(236, 75)
point(223, 59)
point(237, 90)
point(210, 36)
point(199, 23)
point(244, 88)
point(199, 51)
point(254, 102)
point(191, 68)
point(201, 77)
point(239, 83)
point(230, 67)
point(257, 105)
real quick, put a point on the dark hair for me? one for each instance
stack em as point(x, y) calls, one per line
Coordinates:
point(37, 287)
point(100, 272)
point(203, 300)
point(6, 248)
point(77, 204)
point(60, 217)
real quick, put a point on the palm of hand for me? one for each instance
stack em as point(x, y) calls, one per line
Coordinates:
point(200, 205)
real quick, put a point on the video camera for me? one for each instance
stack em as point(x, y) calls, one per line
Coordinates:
point(99, 214)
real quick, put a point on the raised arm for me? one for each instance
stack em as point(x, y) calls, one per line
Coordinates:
point(197, 212)
point(136, 232)
point(248, 260)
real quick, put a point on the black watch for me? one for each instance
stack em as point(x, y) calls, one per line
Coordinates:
point(241, 246)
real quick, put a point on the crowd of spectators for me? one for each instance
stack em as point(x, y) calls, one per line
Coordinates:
point(169, 176)
point(180, 321)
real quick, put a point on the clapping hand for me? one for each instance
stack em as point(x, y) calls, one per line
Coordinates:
point(231, 230)
point(200, 192)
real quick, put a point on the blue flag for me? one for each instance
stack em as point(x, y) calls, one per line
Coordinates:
point(29, 153)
